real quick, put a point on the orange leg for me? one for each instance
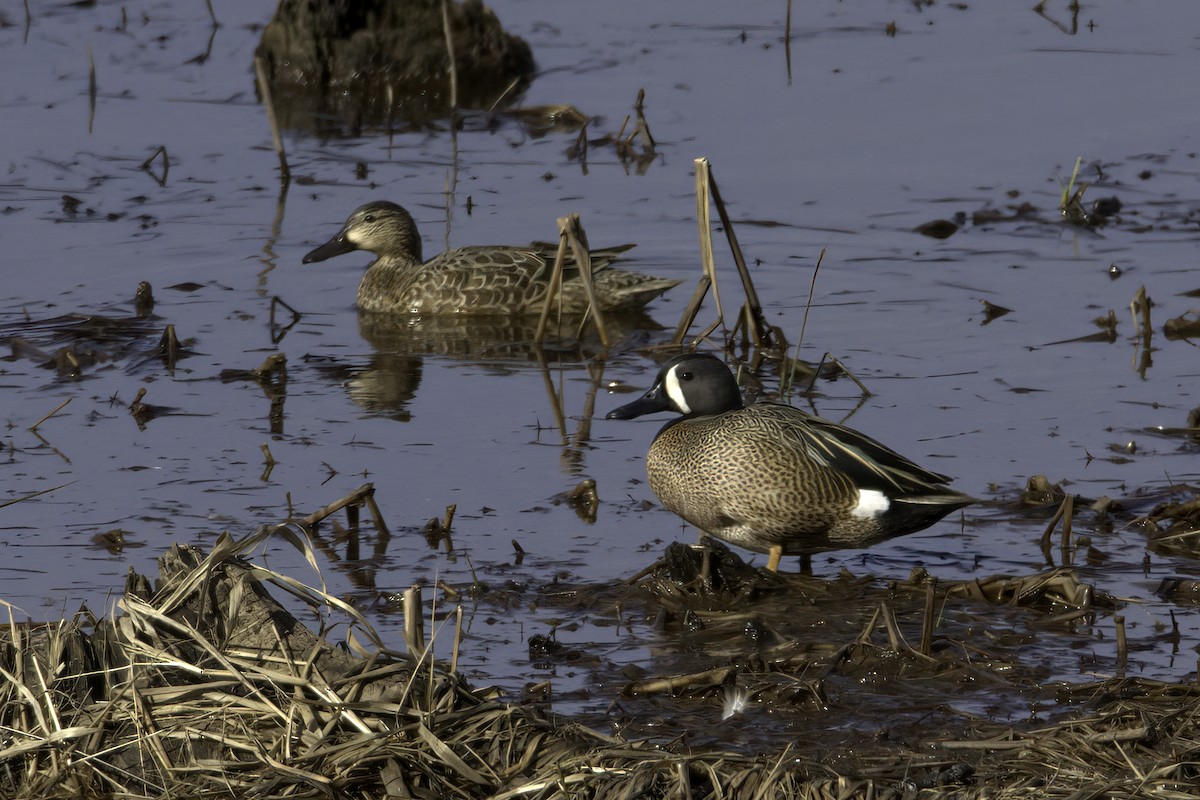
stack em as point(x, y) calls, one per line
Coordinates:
point(773, 558)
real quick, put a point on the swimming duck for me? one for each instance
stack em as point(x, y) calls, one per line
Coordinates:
point(483, 279)
point(773, 479)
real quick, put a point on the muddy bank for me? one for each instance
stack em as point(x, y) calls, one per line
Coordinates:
point(204, 684)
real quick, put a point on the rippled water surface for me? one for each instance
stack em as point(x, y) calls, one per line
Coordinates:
point(843, 140)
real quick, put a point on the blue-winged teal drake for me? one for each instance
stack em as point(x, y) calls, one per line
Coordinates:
point(771, 478)
point(483, 279)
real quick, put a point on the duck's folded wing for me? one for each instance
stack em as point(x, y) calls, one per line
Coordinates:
point(869, 464)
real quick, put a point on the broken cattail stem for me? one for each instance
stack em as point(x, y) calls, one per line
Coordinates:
point(356, 497)
point(573, 229)
point(381, 527)
point(137, 408)
point(91, 88)
point(927, 622)
point(579, 150)
point(414, 623)
point(168, 346)
point(895, 638)
point(1068, 515)
point(864, 635)
point(1045, 541)
point(762, 332)
point(452, 64)
point(554, 289)
point(692, 309)
point(707, 264)
point(683, 780)
point(787, 41)
point(458, 635)
point(1122, 651)
point(643, 128)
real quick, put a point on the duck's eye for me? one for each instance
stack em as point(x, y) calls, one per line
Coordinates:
point(369, 218)
point(685, 376)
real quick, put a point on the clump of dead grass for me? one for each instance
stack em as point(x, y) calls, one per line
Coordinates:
point(205, 686)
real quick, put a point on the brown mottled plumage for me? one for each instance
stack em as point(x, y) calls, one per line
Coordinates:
point(482, 279)
point(771, 478)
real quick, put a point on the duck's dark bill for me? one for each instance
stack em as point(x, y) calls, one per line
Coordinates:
point(651, 401)
point(334, 247)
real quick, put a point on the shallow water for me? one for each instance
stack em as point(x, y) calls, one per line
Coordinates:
point(964, 109)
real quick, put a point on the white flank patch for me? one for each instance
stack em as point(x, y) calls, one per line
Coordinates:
point(675, 392)
point(871, 503)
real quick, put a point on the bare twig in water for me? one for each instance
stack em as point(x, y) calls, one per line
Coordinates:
point(452, 64)
point(269, 462)
point(264, 88)
point(57, 409)
point(148, 165)
point(91, 88)
point(1064, 512)
point(812, 288)
point(277, 331)
point(643, 127)
point(838, 363)
point(507, 91)
point(787, 41)
point(579, 149)
point(786, 385)
point(32, 495)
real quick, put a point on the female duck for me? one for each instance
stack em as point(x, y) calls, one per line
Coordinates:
point(487, 279)
point(771, 478)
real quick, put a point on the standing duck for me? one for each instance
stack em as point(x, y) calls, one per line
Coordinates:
point(773, 479)
point(482, 279)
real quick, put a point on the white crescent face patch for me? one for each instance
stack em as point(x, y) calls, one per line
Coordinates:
point(675, 392)
point(871, 503)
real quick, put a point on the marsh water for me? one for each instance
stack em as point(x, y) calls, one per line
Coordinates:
point(841, 139)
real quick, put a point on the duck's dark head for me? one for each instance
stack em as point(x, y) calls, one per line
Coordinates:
point(693, 384)
point(382, 228)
